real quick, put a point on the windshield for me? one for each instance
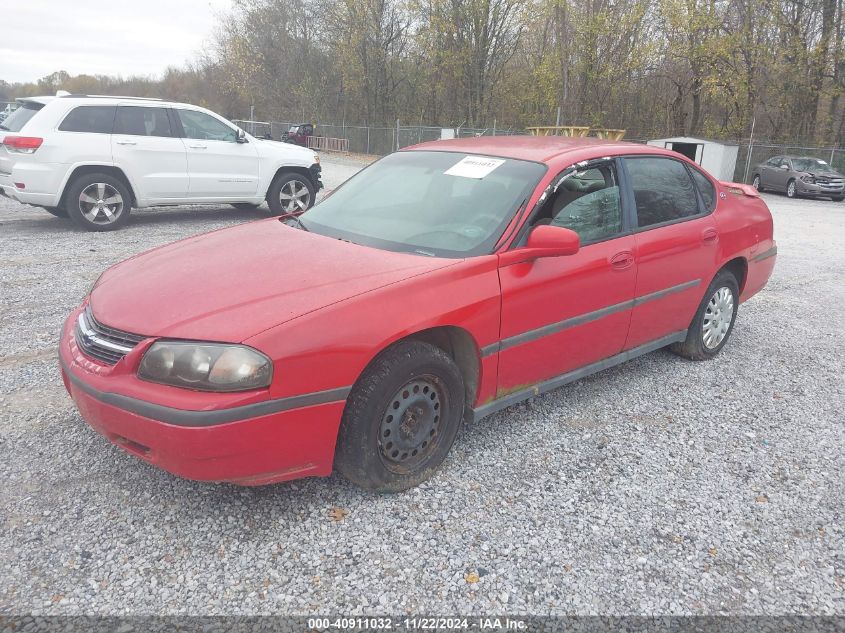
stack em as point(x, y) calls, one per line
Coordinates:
point(440, 204)
point(294, 129)
point(20, 117)
point(808, 164)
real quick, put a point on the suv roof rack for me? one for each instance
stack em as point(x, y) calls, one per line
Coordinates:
point(84, 96)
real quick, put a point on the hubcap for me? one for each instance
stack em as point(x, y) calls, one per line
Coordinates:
point(756, 183)
point(100, 203)
point(791, 189)
point(294, 196)
point(718, 317)
point(411, 425)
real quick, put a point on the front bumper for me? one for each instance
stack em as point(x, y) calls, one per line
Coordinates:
point(253, 450)
point(819, 190)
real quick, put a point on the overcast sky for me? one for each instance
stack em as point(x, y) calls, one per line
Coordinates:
point(111, 37)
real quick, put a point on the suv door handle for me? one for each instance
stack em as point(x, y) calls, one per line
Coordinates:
point(623, 260)
point(710, 235)
point(126, 142)
point(198, 146)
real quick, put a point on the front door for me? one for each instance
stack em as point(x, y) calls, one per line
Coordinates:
point(151, 153)
point(562, 313)
point(676, 246)
point(218, 165)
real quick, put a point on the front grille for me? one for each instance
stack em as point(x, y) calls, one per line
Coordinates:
point(101, 342)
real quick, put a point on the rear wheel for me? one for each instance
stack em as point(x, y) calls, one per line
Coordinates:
point(714, 320)
point(401, 418)
point(98, 202)
point(791, 191)
point(290, 193)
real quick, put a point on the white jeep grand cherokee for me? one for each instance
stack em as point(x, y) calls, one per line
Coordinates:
point(94, 158)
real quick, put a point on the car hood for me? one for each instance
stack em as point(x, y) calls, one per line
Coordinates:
point(267, 147)
point(232, 284)
point(824, 174)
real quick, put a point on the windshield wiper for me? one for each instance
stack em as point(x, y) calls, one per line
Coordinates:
point(295, 217)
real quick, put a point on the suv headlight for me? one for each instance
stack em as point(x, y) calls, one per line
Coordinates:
point(206, 366)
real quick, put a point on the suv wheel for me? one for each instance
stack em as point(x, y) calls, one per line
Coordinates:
point(98, 202)
point(290, 193)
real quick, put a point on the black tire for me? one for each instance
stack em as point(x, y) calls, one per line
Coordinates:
point(838, 198)
point(245, 206)
point(695, 347)
point(291, 182)
point(757, 183)
point(424, 386)
point(791, 189)
point(57, 211)
point(81, 212)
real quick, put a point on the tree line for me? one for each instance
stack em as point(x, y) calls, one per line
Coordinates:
point(655, 67)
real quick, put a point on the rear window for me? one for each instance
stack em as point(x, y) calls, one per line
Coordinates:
point(20, 117)
point(93, 119)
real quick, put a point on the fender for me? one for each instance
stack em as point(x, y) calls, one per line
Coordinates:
point(111, 164)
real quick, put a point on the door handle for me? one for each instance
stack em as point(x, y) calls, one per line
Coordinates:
point(623, 260)
point(710, 235)
point(126, 142)
point(198, 146)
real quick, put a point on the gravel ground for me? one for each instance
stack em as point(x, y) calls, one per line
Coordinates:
point(658, 487)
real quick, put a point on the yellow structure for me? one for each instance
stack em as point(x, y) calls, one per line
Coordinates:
point(576, 131)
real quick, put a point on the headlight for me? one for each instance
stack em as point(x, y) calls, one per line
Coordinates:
point(206, 366)
point(316, 159)
point(808, 178)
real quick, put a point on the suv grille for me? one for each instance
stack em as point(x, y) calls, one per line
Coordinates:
point(101, 342)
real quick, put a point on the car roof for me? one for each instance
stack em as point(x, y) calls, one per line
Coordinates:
point(541, 149)
point(105, 100)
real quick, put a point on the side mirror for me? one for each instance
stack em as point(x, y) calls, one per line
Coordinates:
point(544, 241)
point(241, 138)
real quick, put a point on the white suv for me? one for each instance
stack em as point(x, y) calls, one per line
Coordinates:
point(94, 158)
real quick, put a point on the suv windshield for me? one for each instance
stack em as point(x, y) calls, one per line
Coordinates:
point(440, 204)
point(20, 117)
point(808, 164)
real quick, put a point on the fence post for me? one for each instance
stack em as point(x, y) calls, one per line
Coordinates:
point(750, 149)
point(494, 126)
point(832, 156)
point(368, 139)
point(397, 135)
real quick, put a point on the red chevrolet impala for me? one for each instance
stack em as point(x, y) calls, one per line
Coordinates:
point(441, 284)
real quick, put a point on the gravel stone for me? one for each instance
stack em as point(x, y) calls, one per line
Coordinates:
point(635, 491)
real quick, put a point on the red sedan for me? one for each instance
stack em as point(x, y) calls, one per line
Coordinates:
point(441, 284)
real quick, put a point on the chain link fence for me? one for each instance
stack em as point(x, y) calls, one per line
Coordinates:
point(383, 140)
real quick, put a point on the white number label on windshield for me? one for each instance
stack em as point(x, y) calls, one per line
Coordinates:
point(474, 167)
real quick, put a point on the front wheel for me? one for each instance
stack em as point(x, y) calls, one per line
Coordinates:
point(290, 193)
point(714, 320)
point(791, 191)
point(838, 198)
point(98, 202)
point(401, 418)
point(755, 182)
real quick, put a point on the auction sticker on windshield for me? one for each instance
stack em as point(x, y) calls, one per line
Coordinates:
point(474, 167)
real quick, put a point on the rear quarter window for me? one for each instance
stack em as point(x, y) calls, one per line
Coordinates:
point(92, 119)
point(20, 117)
point(705, 188)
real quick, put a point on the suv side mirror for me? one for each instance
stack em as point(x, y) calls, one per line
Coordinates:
point(544, 241)
point(241, 138)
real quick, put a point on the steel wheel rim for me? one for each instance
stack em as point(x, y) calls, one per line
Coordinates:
point(790, 189)
point(294, 196)
point(412, 425)
point(718, 317)
point(756, 183)
point(100, 203)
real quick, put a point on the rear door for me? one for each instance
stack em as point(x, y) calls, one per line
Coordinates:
point(677, 244)
point(219, 166)
point(149, 150)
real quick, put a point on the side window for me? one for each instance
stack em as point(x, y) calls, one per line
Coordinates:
point(92, 119)
point(587, 202)
point(663, 190)
point(773, 162)
point(141, 121)
point(200, 125)
point(705, 188)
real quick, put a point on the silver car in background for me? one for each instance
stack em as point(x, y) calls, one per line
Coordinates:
point(799, 176)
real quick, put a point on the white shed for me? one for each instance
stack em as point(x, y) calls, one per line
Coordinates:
point(716, 157)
